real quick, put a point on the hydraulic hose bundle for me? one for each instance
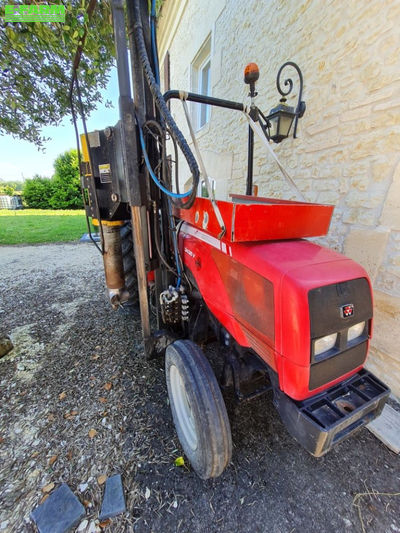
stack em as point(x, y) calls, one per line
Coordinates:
point(152, 81)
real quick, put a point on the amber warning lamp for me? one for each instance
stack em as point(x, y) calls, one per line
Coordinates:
point(251, 75)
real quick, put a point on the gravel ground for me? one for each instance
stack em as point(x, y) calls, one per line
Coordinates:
point(78, 366)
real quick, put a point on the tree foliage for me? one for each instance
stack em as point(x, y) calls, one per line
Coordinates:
point(14, 185)
point(62, 191)
point(7, 190)
point(35, 67)
point(37, 192)
point(66, 182)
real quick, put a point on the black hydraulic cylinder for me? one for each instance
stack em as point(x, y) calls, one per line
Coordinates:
point(120, 44)
point(136, 190)
point(126, 108)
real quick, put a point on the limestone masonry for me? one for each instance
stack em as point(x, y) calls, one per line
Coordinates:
point(348, 148)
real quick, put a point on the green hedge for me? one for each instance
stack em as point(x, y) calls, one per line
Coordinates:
point(62, 191)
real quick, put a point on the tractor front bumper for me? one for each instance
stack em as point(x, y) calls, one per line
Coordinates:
point(320, 422)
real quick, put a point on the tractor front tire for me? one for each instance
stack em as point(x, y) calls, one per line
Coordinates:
point(198, 409)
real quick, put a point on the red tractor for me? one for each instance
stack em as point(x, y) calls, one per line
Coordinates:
point(291, 316)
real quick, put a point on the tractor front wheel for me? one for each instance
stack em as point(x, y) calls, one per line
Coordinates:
point(198, 409)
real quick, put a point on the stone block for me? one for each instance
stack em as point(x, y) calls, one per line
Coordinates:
point(385, 367)
point(355, 169)
point(114, 500)
point(350, 130)
point(384, 359)
point(368, 200)
point(381, 170)
point(325, 184)
point(323, 144)
point(374, 96)
point(388, 282)
point(367, 247)
point(387, 320)
point(387, 428)
point(383, 119)
point(391, 209)
point(387, 142)
point(390, 104)
point(365, 216)
point(363, 149)
point(355, 114)
point(328, 197)
point(360, 183)
point(86, 238)
point(59, 513)
point(323, 126)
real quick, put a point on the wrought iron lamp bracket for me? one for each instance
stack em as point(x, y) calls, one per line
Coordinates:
point(301, 105)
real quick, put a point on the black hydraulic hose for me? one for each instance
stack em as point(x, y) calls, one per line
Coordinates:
point(176, 162)
point(166, 182)
point(162, 140)
point(78, 148)
point(158, 244)
point(164, 111)
point(74, 82)
point(161, 135)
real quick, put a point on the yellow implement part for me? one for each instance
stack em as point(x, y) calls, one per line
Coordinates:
point(85, 152)
point(95, 222)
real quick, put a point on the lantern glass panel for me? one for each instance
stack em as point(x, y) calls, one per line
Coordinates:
point(285, 124)
point(274, 122)
point(280, 120)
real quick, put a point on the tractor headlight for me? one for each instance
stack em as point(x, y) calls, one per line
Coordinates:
point(324, 344)
point(355, 331)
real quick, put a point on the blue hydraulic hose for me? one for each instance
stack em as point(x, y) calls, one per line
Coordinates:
point(168, 193)
point(157, 77)
point(146, 158)
point(153, 176)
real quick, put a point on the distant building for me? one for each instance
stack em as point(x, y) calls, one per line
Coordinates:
point(10, 202)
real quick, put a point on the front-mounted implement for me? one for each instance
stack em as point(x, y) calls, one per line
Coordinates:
point(291, 316)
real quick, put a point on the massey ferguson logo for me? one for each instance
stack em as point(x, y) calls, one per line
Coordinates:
point(347, 310)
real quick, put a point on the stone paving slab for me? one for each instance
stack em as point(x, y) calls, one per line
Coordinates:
point(86, 238)
point(387, 428)
point(114, 500)
point(59, 513)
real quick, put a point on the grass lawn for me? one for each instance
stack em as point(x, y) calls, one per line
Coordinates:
point(30, 226)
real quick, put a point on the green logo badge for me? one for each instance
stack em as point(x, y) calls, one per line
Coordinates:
point(35, 13)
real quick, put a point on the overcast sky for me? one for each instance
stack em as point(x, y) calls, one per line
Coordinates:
point(21, 159)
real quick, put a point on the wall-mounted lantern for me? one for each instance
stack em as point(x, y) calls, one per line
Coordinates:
point(276, 126)
point(279, 121)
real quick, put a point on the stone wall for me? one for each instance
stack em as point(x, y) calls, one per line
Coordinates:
point(347, 150)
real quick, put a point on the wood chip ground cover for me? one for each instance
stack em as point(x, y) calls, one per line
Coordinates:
point(77, 366)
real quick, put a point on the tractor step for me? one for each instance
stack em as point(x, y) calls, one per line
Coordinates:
point(322, 421)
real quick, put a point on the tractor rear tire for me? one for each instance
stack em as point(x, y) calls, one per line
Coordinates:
point(198, 409)
point(128, 258)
